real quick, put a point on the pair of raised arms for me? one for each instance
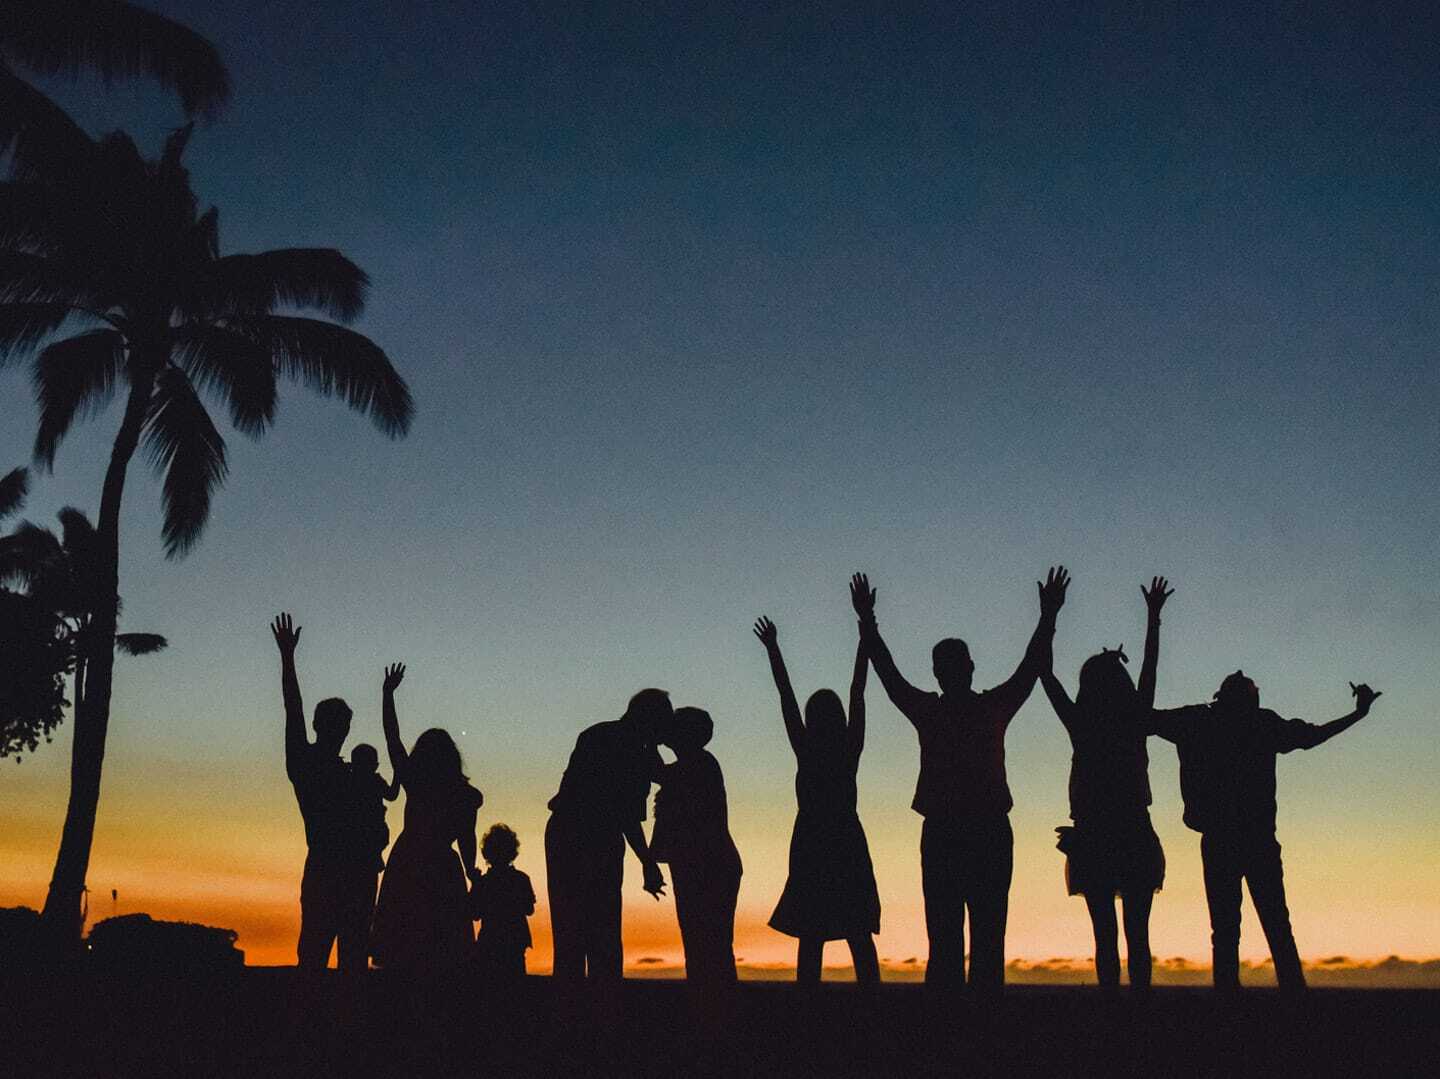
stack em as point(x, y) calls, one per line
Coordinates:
point(287, 637)
point(862, 598)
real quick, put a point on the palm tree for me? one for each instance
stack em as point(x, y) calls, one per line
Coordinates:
point(112, 39)
point(55, 615)
point(114, 246)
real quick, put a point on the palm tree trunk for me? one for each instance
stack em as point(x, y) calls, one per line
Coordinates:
point(62, 913)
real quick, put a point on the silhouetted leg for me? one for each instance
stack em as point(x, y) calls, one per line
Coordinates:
point(603, 946)
point(565, 888)
point(867, 963)
point(1266, 875)
point(354, 929)
point(705, 898)
point(686, 915)
point(944, 906)
point(1137, 936)
point(989, 901)
point(732, 900)
point(319, 917)
point(1221, 865)
point(726, 897)
point(1107, 943)
point(807, 961)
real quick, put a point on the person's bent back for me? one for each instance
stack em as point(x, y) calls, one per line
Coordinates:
point(600, 806)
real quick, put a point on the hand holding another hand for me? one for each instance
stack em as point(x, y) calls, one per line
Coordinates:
point(654, 880)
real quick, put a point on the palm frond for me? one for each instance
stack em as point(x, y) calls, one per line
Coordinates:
point(25, 325)
point(140, 644)
point(32, 278)
point(317, 278)
point(116, 41)
point(77, 534)
point(236, 368)
point(335, 361)
point(28, 555)
point(14, 486)
point(34, 217)
point(174, 148)
point(82, 556)
point(40, 137)
point(73, 377)
point(205, 235)
point(184, 446)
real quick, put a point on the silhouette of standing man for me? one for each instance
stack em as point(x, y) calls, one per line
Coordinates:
point(1227, 755)
point(600, 807)
point(337, 892)
point(966, 845)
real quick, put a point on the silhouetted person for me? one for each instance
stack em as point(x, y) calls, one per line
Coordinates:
point(966, 846)
point(422, 919)
point(1113, 850)
point(692, 834)
point(503, 900)
point(830, 892)
point(1227, 755)
point(337, 892)
point(371, 792)
point(600, 807)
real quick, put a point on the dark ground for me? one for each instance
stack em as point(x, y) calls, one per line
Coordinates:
point(271, 1022)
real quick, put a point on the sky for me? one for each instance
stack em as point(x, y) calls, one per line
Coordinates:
point(705, 308)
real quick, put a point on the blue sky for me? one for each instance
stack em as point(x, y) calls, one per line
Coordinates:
point(703, 311)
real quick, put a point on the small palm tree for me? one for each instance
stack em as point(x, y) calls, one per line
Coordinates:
point(55, 609)
point(112, 39)
point(112, 256)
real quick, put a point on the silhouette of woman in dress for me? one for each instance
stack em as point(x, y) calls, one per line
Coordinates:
point(1112, 849)
point(830, 893)
point(422, 919)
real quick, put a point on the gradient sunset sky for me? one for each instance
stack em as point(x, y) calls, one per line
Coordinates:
point(704, 308)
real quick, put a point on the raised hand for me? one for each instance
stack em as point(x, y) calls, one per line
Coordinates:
point(1156, 595)
point(766, 631)
point(1364, 697)
point(1052, 592)
point(286, 634)
point(654, 880)
point(862, 596)
point(394, 675)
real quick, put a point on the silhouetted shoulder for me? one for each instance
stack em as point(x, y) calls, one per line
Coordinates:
point(1283, 735)
point(1177, 724)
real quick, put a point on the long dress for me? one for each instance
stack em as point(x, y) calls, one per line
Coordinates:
point(422, 918)
point(830, 893)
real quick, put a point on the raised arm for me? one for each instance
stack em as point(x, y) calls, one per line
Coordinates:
point(1155, 597)
point(1059, 699)
point(394, 675)
point(1298, 734)
point(789, 707)
point(862, 598)
point(911, 701)
point(287, 636)
point(1011, 693)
